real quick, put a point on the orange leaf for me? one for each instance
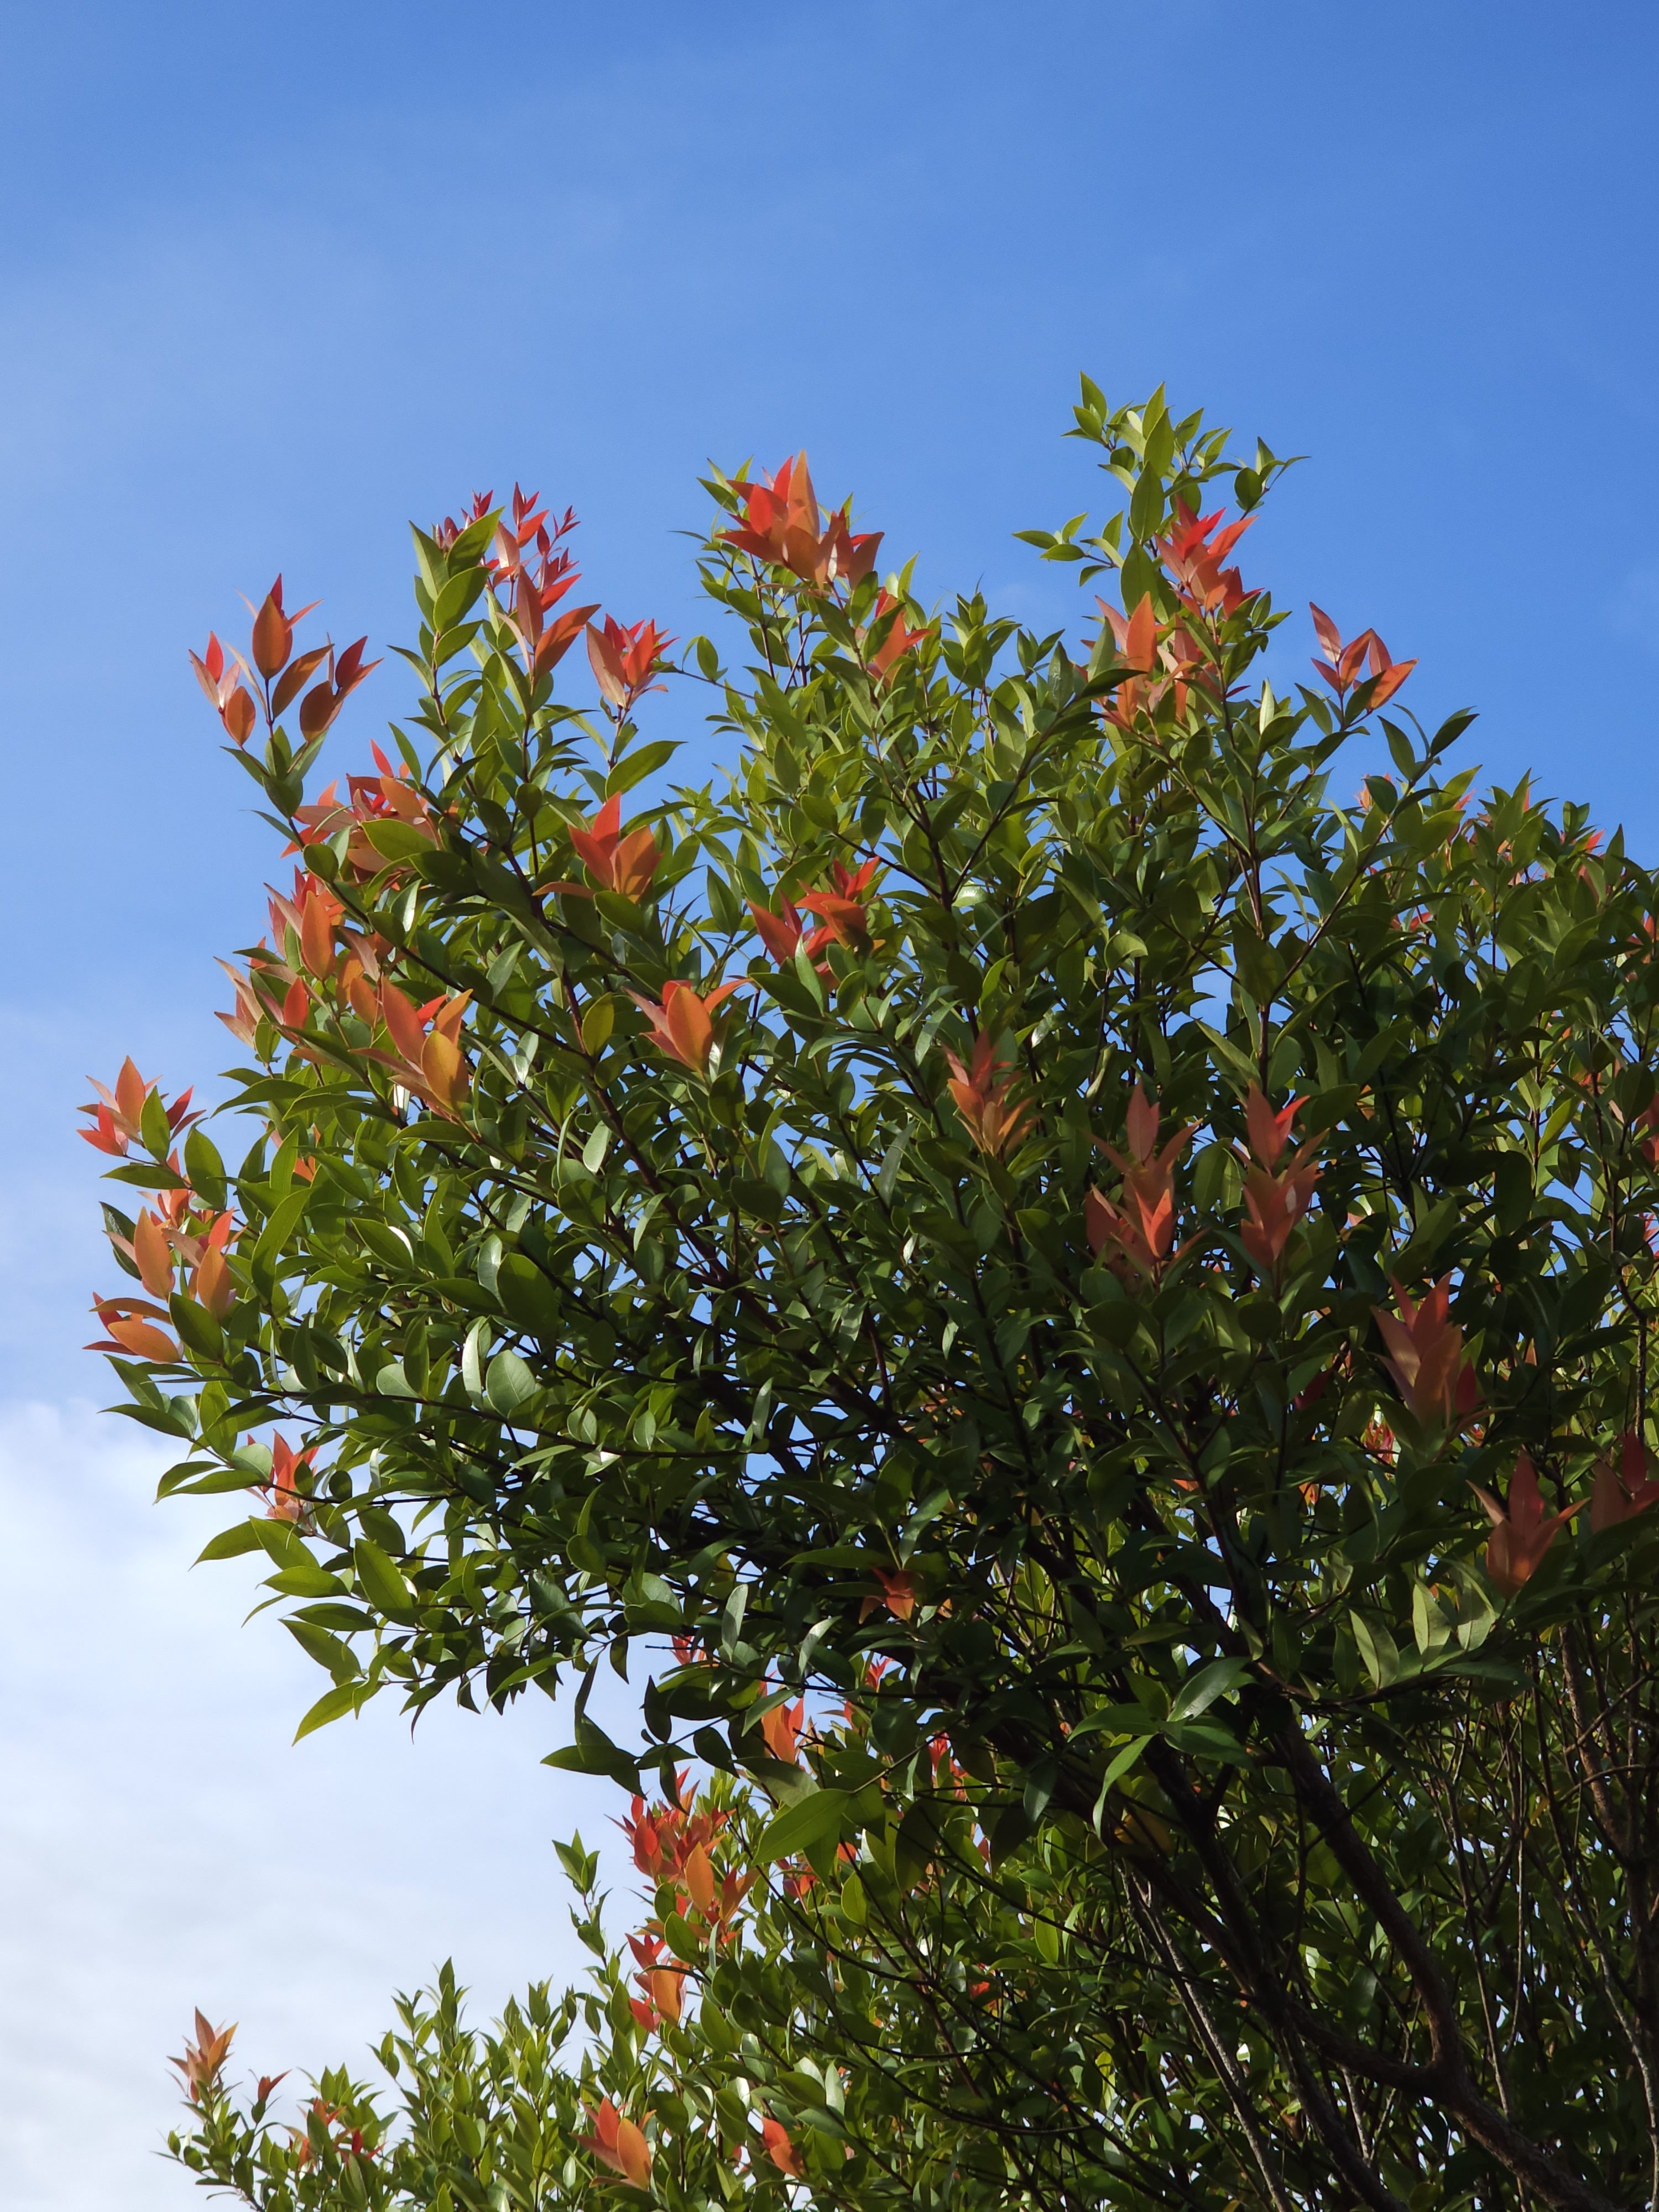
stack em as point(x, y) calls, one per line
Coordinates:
point(153, 1255)
point(273, 633)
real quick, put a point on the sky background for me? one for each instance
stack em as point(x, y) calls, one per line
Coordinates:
point(273, 281)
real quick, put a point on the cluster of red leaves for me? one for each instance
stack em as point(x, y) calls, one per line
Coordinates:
point(617, 863)
point(424, 1047)
point(226, 677)
point(1345, 665)
point(898, 1593)
point(421, 1044)
point(780, 2148)
point(661, 1982)
point(279, 985)
point(446, 533)
point(892, 633)
point(348, 2139)
point(682, 1021)
point(531, 570)
point(175, 1232)
point(1193, 555)
point(1275, 1197)
point(781, 1729)
point(1623, 1486)
point(843, 914)
point(1425, 1357)
point(1135, 1231)
point(780, 527)
point(370, 801)
point(982, 1092)
point(671, 1844)
point(203, 2061)
point(1521, 1532)
point(619, 2143)
point(203, 2066)
point(118, 1114)
point(174, 1236)
point(1160, 661)
point(285, 1500)
point(624, 660)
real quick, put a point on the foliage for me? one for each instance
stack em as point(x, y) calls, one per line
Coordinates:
point(1054, 1292)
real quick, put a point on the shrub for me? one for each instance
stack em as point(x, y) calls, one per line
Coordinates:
point(1075, 1307)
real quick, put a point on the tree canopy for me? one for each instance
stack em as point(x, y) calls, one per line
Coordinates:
point(1069, 1308)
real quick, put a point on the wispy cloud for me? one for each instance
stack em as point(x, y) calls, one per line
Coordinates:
point(163, 1845)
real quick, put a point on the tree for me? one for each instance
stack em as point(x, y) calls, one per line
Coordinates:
point(1076, 1310)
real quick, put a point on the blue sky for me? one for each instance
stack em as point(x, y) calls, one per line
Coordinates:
point(276, 280)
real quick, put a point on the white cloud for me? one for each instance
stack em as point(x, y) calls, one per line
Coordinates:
point(162, 1844)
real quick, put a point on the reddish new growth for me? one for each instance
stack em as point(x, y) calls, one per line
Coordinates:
point(1158, 666)
point(1623, 1487)
point(426, 1061)
point(671, 1845)
point(981, 1093)
point(618, 2144)
point(1193, 555)
point(532, 572)
point(1135, 1232)
point(1521, 1532)
point(284, 1499)
point(898, 1595)
point(203, 2061)
point(1425, 1357)
point(118, 1115)
point(681, 1021)
point(1276, 1197)
point(177, 1229)
point(225, 678)
point(781, 1728)
point(365, 816)
point(220, 675)
point(662, 1986)
point(893, 634)
point(843, 917)
point(842, 909)
point(780, 527)
point(624, 660)
point(1344, 665)
point(617, 863)
point(780, 2148)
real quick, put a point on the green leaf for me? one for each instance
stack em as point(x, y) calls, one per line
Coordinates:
point(817, 1818)
point(510, 1386)
point(1200, 1690)
point(306, 1579)
point(598, 1022)
point(458, 597)
point(642, 762)
point(327, 1650)
point(381, 1581)
point(205, 1169)
point(1378, 1652)
point(1122, 1762)
point(231, 1543)
point(344, 1697)
point(397, 841)
point(593, 1753)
